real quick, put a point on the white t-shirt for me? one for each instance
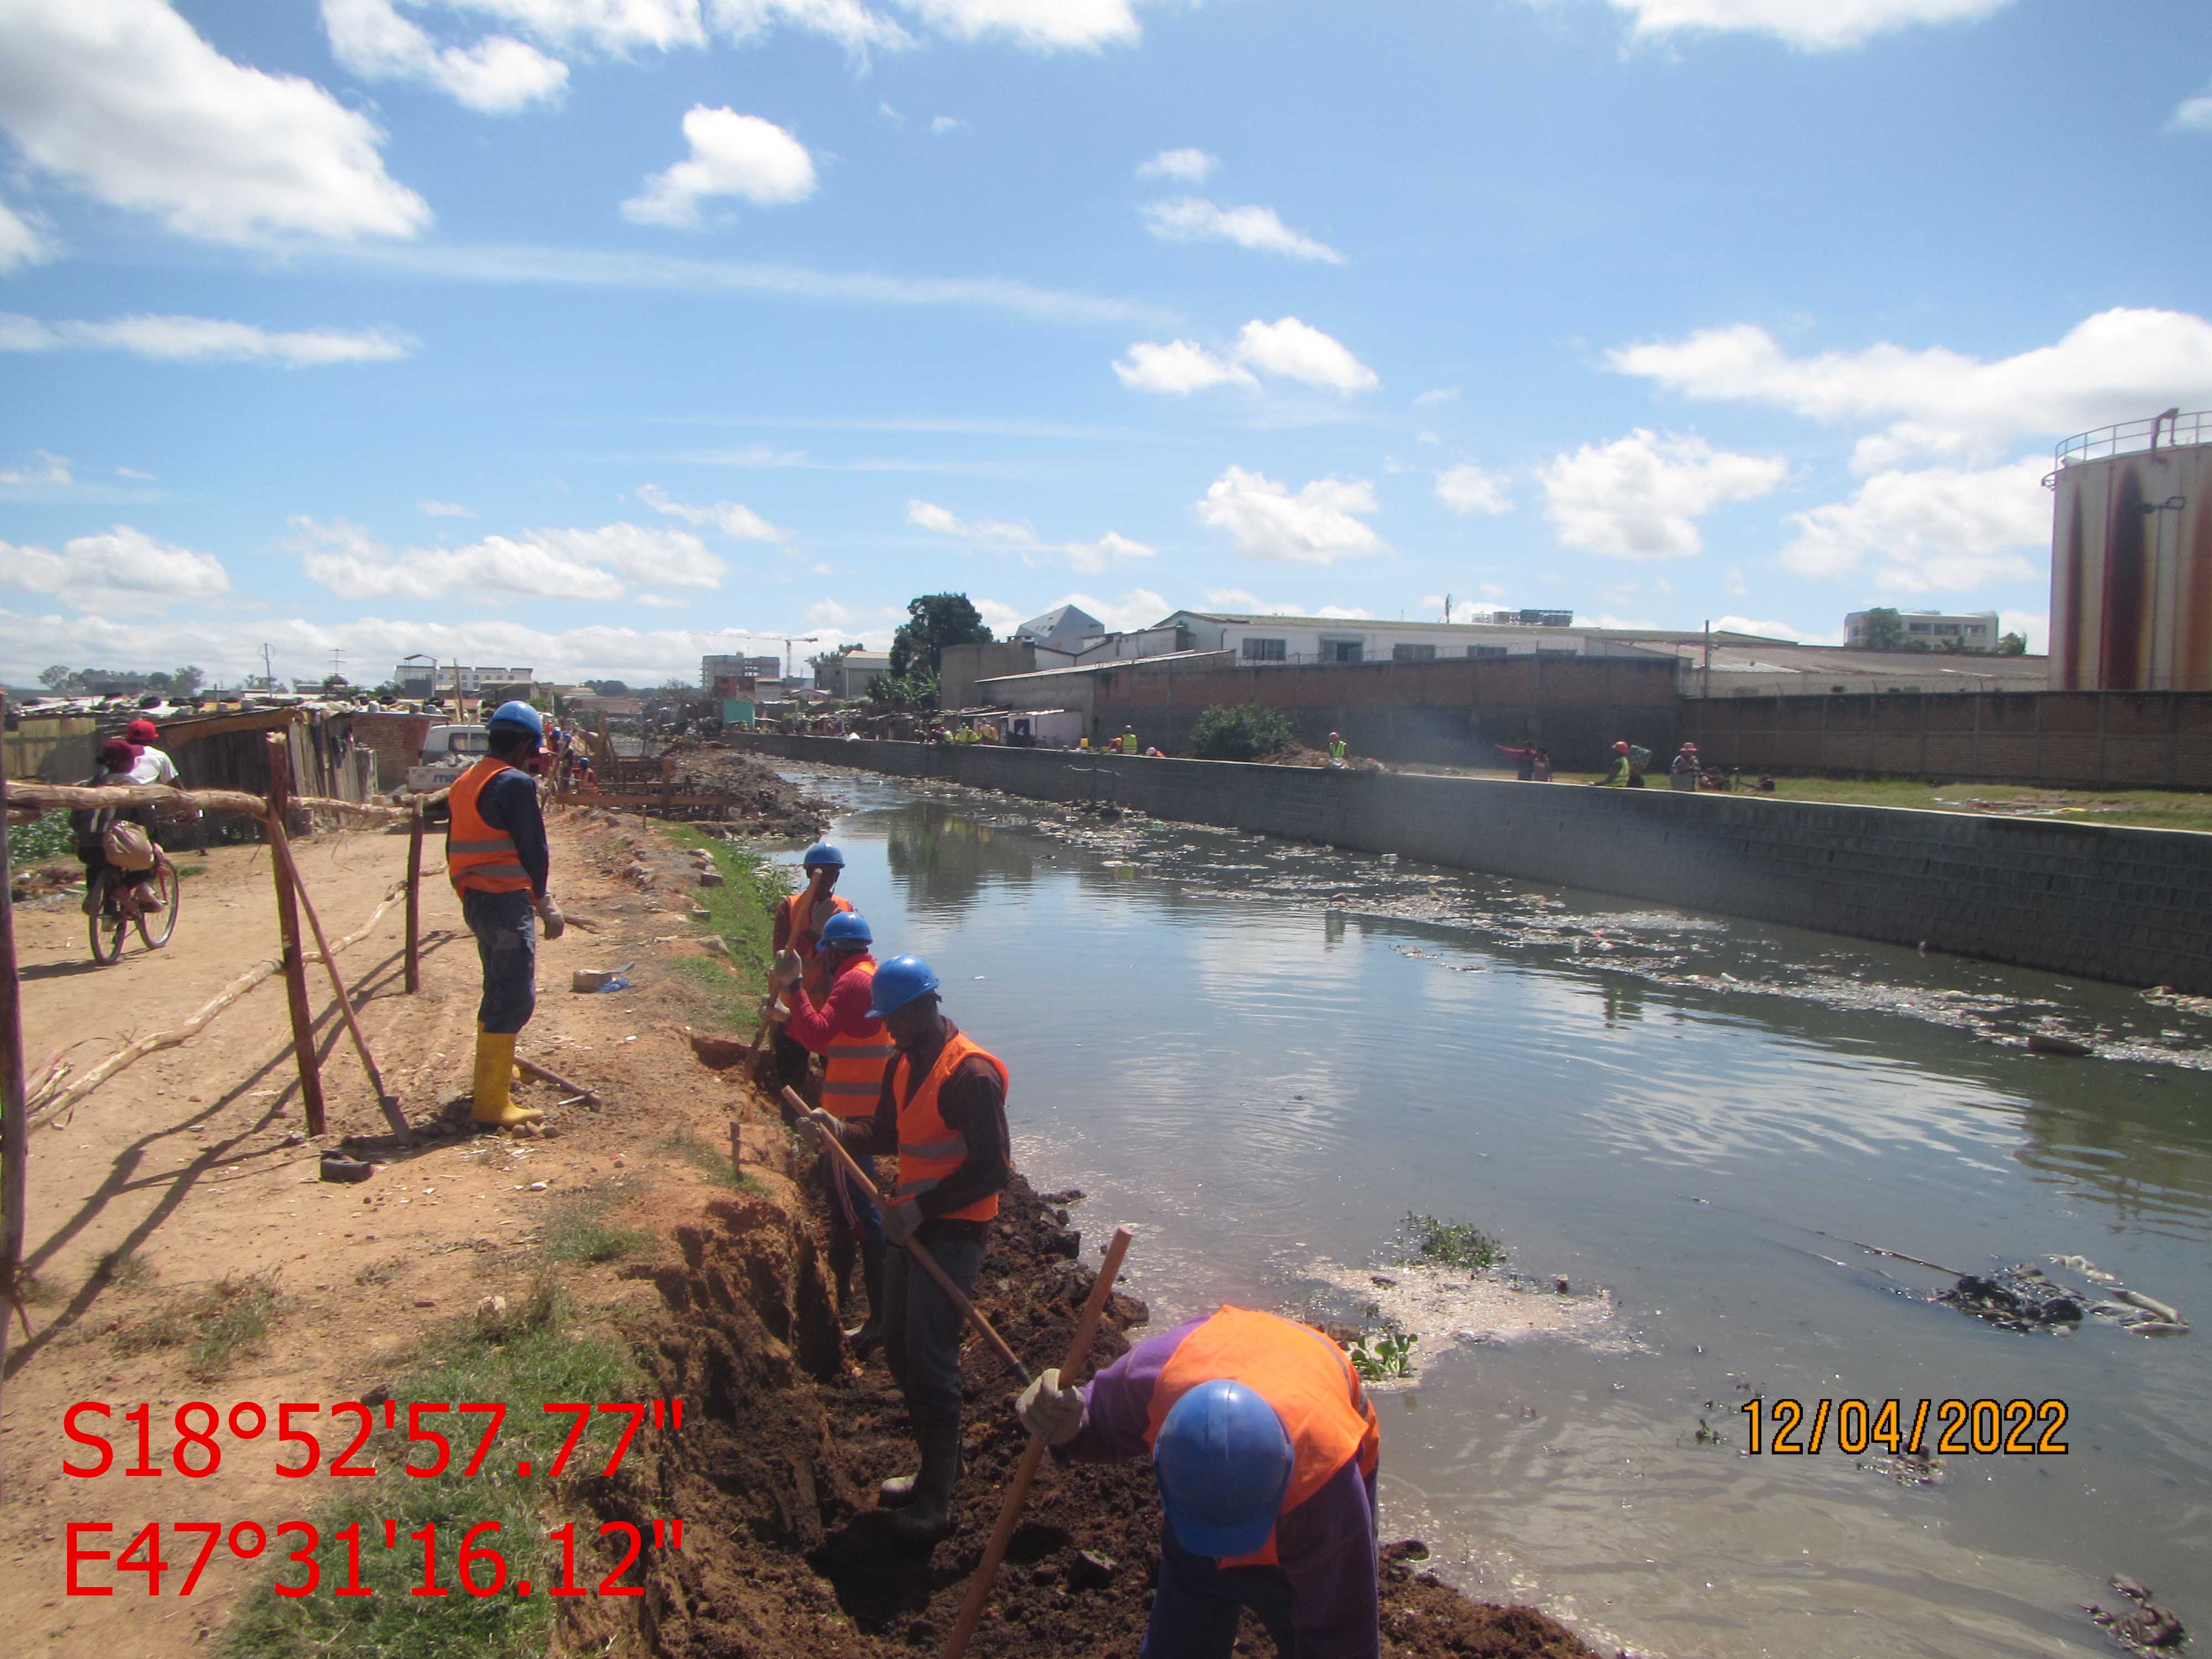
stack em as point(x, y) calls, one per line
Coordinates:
point(154, 766)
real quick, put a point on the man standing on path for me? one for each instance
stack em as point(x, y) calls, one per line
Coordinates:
point(800, 920)
point(1623, 774)
point(498, 861)
point(1335, 749)
point(1266, 1450)
point(856, 1050)
point(943, 1110)
point(1683, 773)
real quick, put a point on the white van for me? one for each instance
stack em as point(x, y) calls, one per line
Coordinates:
point(448, 751)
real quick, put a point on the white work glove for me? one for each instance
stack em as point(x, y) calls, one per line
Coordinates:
point(776, 1013)
point(550, 917)
point(818, 1129)
point(785, 971)
point(901, 1221)
point(1051, 1413)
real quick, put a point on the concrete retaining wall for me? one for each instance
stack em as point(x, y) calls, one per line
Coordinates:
point(2133, 906)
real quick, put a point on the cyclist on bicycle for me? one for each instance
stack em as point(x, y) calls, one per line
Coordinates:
point(89, 826)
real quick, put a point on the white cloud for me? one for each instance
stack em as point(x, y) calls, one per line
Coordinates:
point(2195, 114)
point(133, 472)
point(565, 564)
point(1733, 584)
point(1777, 630)
point(734, 518)
point(1299, 352)
point(660, 602)
point(205, 339)
point(1090, 557)
point(1194, 219)
point(848, 23)
point(1938, 531)
point(444, 510)
point(1468, 489)
point(1179, 368)
point(20, 243)
point(1439, 394)
point(732, 154)
point(1640, 496)
point(44, 470)
point(2033, 625)
point(1190, 166)
point(939, 125)
point(1288, 348)
point(1039, 25)
point(1236, 600)
point(2115, 366)
point(1808, 25)
point(497, 75)
point(123, 570)
point(890, 114)
point(1316, 525)
point(122, 100)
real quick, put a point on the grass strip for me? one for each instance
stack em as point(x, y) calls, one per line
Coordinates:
point(576, 1229)
point(224, 1320)
point(521, 1357)
point(741, 912)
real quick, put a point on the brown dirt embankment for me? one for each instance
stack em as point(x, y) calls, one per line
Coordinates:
point(785, 1554)
point(760, 802)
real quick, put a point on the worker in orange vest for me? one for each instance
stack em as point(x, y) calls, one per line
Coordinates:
point(855, 1051)
point(497, 859)
point(943, 1110)
point(1264, 1447)
point(797, 931)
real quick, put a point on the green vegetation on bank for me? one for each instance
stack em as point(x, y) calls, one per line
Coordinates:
point(2145, 809)
point(741, 913)
point(1244, 732)
point(1455, 1243)
point(41, 840)
point(520, 1357)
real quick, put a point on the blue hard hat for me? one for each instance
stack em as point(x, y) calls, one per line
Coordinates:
point(846, 927)
point(1223, 1463)
point(898, 982)
point(821, 853)
point(522, 715)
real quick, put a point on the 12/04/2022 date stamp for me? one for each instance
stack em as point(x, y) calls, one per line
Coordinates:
point(1988, 1427)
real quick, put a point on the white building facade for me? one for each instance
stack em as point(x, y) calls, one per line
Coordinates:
point(1259, 640)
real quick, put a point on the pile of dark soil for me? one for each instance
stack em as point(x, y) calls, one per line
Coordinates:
point(2016, 1298)
point(783, 1444)
point(760, 802)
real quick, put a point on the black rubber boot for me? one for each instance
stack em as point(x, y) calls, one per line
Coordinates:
point(869, 1337)
point(926, 1515)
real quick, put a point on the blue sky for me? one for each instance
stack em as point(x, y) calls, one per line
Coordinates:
point(595, 334)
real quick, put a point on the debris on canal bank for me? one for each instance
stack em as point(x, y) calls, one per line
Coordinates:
point(1446, 1307)
point(2150, 1628)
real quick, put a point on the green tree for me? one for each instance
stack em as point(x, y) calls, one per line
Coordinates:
point(916, 691)
point(2013, 645)
point(933, 621)
point(57, 678)
point(187, 680)
point(1248, 731)
point(1882, 629)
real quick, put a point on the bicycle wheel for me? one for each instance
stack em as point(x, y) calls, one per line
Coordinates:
point(105, 925)
point(167, 884)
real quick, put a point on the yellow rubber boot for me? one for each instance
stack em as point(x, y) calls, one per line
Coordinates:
point(493, 1107)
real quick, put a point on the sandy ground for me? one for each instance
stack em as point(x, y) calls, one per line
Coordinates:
point(192, 1164)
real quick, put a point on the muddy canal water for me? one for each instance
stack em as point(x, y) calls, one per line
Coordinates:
point(1269, 1053)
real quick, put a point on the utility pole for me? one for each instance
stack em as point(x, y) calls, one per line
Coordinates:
point(1707, 691)
point(268, 672)
point(1448, 609)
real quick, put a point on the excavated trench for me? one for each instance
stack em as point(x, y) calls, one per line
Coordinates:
point(783, 1444)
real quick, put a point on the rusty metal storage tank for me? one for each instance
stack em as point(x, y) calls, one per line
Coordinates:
point(2131, 557)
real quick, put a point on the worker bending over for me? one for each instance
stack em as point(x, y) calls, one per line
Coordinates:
point(856, 1051)
point(1264, 1447)
point(798, 923)
point(498, 861)
point(943, 1110)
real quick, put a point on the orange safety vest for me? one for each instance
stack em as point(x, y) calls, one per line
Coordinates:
point(853, 1080)
point(800, 934)
point(1298, 1371)
point(929, 1150)
point(478, 858)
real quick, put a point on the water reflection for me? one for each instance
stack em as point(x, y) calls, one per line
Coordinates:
point(943, 859)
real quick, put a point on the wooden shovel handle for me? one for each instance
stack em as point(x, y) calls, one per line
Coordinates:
point(867, 1189)
point(1009, 1512)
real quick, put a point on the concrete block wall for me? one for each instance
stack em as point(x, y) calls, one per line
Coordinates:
point(2133, 906)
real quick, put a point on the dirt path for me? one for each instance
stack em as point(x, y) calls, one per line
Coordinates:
point(190, 1169)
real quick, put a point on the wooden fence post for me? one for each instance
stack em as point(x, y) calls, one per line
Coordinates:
point(414, 902)
point(15, 1147)
point(287, 926)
